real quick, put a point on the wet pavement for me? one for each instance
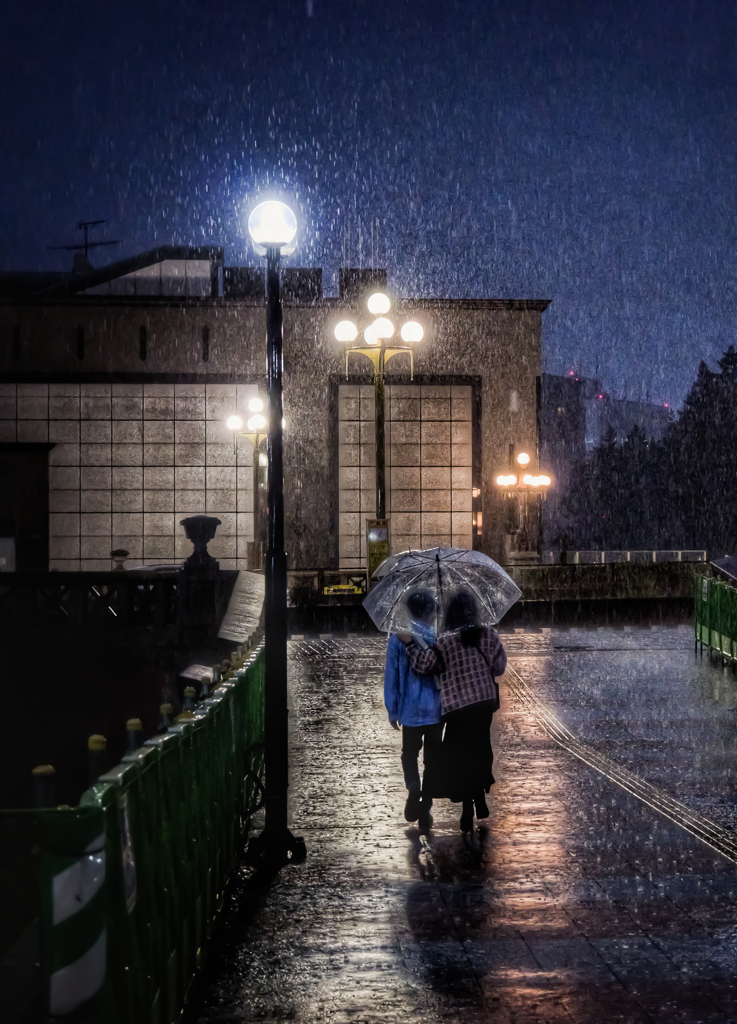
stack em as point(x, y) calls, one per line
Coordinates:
point(584, 897)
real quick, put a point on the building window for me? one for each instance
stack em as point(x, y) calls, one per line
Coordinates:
point(80, 343)
point(205, 344)
point(142, 343)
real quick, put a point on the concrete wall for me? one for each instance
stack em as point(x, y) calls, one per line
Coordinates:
point(497, 343)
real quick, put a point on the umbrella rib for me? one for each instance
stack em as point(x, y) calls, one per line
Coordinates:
point(467, 582)
point(405, 585)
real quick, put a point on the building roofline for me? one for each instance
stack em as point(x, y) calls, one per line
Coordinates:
point(540, 305)
point(74, 283)
point(60, 295)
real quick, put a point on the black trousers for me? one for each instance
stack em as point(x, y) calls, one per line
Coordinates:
point(467, 755)
point(413, 737)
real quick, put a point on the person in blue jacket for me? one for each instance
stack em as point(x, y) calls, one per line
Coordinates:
point(413, 701)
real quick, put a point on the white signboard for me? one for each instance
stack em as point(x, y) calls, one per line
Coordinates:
point(244, 608)
point(196, 672)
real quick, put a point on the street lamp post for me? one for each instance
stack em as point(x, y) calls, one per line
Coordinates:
point(520, 484)
point(376, 335)
point(273, 227)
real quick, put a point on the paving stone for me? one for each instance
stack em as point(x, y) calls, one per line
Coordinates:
point(574, 901)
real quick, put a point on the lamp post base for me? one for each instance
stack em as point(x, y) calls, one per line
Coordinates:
point(275, 846)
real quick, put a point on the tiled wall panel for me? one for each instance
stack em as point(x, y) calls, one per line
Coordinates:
point(428, 433)
point(130, 461)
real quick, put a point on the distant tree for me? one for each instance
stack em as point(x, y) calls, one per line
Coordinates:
point(702, 444)
point(680, 492)
point(728, 363)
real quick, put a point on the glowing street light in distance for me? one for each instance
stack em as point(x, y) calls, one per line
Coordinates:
point(255, 405)
point(523, 458)
point(378, 304)
point(346, 330)
point(256, 423)
point(234, 423)
point(506, 481)
point(412, 331)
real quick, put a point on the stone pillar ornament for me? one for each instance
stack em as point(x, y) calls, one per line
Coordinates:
point(200, 530)
point(119, 556)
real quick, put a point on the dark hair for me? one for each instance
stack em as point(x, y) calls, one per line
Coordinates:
point(463, 617)
point(421, 604)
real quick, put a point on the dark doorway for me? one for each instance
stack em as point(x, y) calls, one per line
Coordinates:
point(24, 503)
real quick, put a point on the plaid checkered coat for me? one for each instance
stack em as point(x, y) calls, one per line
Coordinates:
point(464, 674)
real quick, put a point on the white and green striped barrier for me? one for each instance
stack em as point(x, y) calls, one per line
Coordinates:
point(128, 883)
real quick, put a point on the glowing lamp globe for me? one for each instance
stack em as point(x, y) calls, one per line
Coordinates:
point(255, 405)
point(378, 304)
point(272, 225)
point(370, 336)
point(544, 481)
point(412, 331)
point(234, 423)
point(256, 423)
point(523, 458)
point(383, 328)
point(346, 330)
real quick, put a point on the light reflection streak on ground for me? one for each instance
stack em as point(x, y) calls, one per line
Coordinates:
point(707, 831)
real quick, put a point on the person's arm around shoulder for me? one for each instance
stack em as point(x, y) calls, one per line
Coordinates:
point(424, 662)
point(394, 651)
point(498, 659)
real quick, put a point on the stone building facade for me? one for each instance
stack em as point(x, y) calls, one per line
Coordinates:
point(116, 388)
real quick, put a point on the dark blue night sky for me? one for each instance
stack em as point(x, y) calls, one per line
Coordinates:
point(581, 151)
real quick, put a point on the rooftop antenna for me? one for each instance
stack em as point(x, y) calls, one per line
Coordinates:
point(85, 225)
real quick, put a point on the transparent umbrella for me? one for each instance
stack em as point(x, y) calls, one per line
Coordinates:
point(442, 574)
point(390, 563)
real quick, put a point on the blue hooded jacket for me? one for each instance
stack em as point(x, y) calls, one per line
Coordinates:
point(410, 699)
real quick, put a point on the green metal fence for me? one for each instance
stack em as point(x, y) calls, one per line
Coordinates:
point(129, 881)
point(715, 617)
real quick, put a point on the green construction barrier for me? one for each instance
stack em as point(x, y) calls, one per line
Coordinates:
point(729, 623)
point(129, 882)
point(704, 588)
point(699, 605)
point(713, 602)
point(715, 616)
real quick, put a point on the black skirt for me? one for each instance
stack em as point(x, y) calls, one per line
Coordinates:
point(466, 756)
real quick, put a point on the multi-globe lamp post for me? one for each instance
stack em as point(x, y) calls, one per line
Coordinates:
point(378, 330)
point(520, 483)
point(273, 228)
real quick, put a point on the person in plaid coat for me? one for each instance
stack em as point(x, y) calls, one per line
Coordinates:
point(465, 661)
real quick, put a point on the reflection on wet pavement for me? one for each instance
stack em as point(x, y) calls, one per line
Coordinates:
point(575, 901)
